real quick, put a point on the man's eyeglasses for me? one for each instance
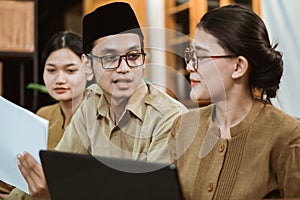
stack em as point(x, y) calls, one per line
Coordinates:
point(113, 61)
point(190, 56)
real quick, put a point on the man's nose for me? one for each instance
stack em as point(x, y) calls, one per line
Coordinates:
point(123, 66)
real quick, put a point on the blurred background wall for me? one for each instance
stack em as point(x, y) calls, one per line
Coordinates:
point(282, 20)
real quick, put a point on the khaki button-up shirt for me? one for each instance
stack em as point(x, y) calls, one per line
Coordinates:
point(55, 117)
point(260, 160)
point(141, 133)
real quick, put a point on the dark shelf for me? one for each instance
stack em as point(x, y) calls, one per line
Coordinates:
point(4, 55)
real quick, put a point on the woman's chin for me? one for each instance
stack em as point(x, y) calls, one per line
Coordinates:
point(196, 96)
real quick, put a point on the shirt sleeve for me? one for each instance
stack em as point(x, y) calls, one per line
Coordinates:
point(289, 160)
point(158, 149)
point(17, 194)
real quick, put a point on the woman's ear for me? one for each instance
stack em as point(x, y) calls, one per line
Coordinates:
point(240, 67)
point(87, 64)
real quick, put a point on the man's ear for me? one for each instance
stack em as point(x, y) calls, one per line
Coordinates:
point(240, 67)
point(87, 64)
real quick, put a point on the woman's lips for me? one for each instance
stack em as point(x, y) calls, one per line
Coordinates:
point(194, 82)
point(60, 90)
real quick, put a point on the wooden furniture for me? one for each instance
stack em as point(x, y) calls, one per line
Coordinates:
point(181, 18)
point(139, 7)
point(17, 26)
point(19, 40)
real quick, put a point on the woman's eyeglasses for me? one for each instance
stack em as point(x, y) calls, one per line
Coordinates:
point(191, 57)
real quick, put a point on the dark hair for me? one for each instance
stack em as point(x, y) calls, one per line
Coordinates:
point(122, 19)
point(60, 40)
point(243, 33)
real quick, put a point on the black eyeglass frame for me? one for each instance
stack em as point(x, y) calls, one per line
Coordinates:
point(195, 63)
point(120, 59)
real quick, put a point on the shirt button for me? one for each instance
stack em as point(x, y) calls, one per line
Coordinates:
point(221, 147)
point(149, 98)
point(210, 187)
point(115, 133)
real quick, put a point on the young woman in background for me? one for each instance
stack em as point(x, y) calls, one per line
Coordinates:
point(65, 79)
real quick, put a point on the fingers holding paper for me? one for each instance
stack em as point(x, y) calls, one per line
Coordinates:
point(3, 196)
point(5, 189)
point(33, 173)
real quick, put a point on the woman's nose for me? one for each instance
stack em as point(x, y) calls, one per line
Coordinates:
point(190, 66)
point(61, 78)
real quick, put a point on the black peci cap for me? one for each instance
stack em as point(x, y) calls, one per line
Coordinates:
point(110, 19)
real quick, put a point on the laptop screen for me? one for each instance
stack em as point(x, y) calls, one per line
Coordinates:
point(73, 176)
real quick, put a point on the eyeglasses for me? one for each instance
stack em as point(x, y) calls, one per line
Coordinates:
point(190, 56)
point(113, 61)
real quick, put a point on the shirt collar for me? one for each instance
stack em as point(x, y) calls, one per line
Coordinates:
point(102, 107)
point(136, 104)
point(250, 118)
point(139, 99)
point(213, 133)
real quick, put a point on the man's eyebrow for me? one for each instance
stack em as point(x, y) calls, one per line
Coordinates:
point(113, 50)
point(108, 50)
point(135, 47)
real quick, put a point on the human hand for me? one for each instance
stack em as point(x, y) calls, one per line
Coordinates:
point(5, 189)
point(33, 173)
point(3, 196)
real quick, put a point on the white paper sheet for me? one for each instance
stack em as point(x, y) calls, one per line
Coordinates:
point(20, 130)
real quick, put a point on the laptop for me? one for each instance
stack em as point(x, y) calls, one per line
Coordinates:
point(72, 176)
